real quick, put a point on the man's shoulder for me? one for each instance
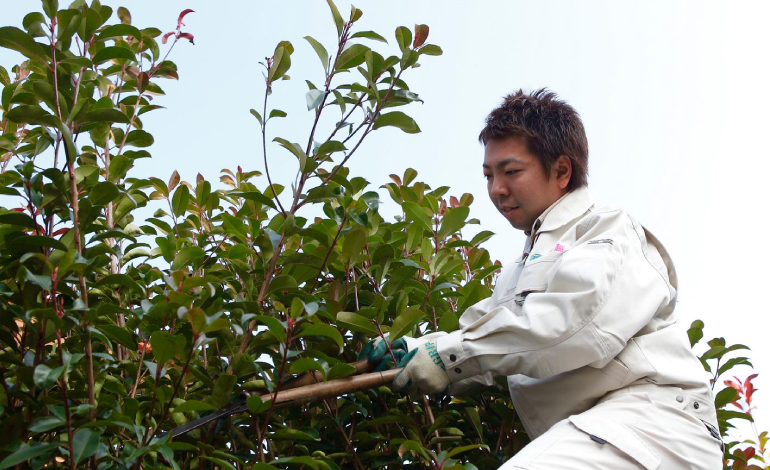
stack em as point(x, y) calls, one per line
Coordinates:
point(607, 219)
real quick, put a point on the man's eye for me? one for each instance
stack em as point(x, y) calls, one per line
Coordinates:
point(510, 172)
point(486, 177)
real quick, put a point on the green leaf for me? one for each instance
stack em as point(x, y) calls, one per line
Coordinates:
point(321, 51)
point(295, 434)
point(695, 333)
point(103, 115)
point(187, 257)
point(103, 193)
point(353, 244)
point(453, 220)
point(31, 114)
point(220, 463)
point(300, 366)
point(351, 57)
point(192, 405)
point(338, 21)
point(356, 323)
point(284, 282)
point(17, 40)
point(256, 405)
point(725, 396)
point(274, 326)
point(123, 280)
point(164, 345)
point(30, 243)
point(112, 52)
point(458, 450)
point(313, 99)
point(322, 329)
point(26, 453)
point(223, 390)
point(124, 15)
point(405, 322)
point(397, 119)
point(180, 200)
point(369, 35)
point(84, 444)
point(281, 61)
point(5, 80)
point(50, 7)
point(139, 138)
point(417, 214)
point(44, 376)
point(415, 447)
point(119, 335)
point(448, 322)
point(254, 196)
point(256, 114)
point(120, 30)
point(17, 218)
point(430, 49)
point(330, 147)
point(403, 37)
point(340, 370)
point(46, 423)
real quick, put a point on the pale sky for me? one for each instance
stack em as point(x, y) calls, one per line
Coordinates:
point(673, 95)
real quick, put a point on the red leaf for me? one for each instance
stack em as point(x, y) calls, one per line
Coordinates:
point(60, 231)
point(750, 451)
point(187, 36)
point(454, 202)
point(18, 209)
point(179, 23)
point(166, 36)
point(420, 35)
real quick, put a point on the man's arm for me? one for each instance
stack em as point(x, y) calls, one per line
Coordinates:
point(599, 295)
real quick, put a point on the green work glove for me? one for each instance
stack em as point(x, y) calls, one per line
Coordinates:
point(376, 352)
point(423, 372)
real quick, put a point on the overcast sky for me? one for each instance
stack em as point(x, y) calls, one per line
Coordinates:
point(673, 95)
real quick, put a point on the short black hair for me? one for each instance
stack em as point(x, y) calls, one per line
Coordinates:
point(550, 126)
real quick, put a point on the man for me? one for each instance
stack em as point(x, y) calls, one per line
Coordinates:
point(582, 323)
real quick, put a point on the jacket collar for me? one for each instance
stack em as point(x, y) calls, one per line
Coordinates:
point(565, 209)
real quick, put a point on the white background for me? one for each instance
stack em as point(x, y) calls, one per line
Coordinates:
point(673, 95)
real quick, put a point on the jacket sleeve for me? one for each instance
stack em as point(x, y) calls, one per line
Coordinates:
point(599, 294)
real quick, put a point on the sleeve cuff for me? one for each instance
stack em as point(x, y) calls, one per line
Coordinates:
point(458, 364)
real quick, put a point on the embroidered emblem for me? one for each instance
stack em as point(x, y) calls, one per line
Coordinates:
point(602, 240)
point(559, 247)
point(534, 257)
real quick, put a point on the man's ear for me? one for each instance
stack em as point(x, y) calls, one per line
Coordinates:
point(562, 171)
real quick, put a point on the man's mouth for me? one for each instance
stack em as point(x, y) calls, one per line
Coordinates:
point(506, 210)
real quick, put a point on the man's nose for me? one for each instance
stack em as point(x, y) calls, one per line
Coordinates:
point(498, 188)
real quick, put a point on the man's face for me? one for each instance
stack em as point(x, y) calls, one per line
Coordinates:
point(517, 182)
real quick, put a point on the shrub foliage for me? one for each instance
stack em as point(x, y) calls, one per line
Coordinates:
point(115, 330)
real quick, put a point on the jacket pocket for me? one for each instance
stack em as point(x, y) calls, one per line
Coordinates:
point(533, 278)
point(608, 431)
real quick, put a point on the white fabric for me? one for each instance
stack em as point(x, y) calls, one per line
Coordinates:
point(586, 310)
point(414, 343)
point(639, 432)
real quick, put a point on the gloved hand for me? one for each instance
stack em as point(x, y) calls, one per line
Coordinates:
point(376, 352)
point(424, 371)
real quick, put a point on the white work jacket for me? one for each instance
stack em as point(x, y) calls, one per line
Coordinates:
point(587, 310)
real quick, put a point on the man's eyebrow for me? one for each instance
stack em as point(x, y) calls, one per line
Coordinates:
point(503, 162)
